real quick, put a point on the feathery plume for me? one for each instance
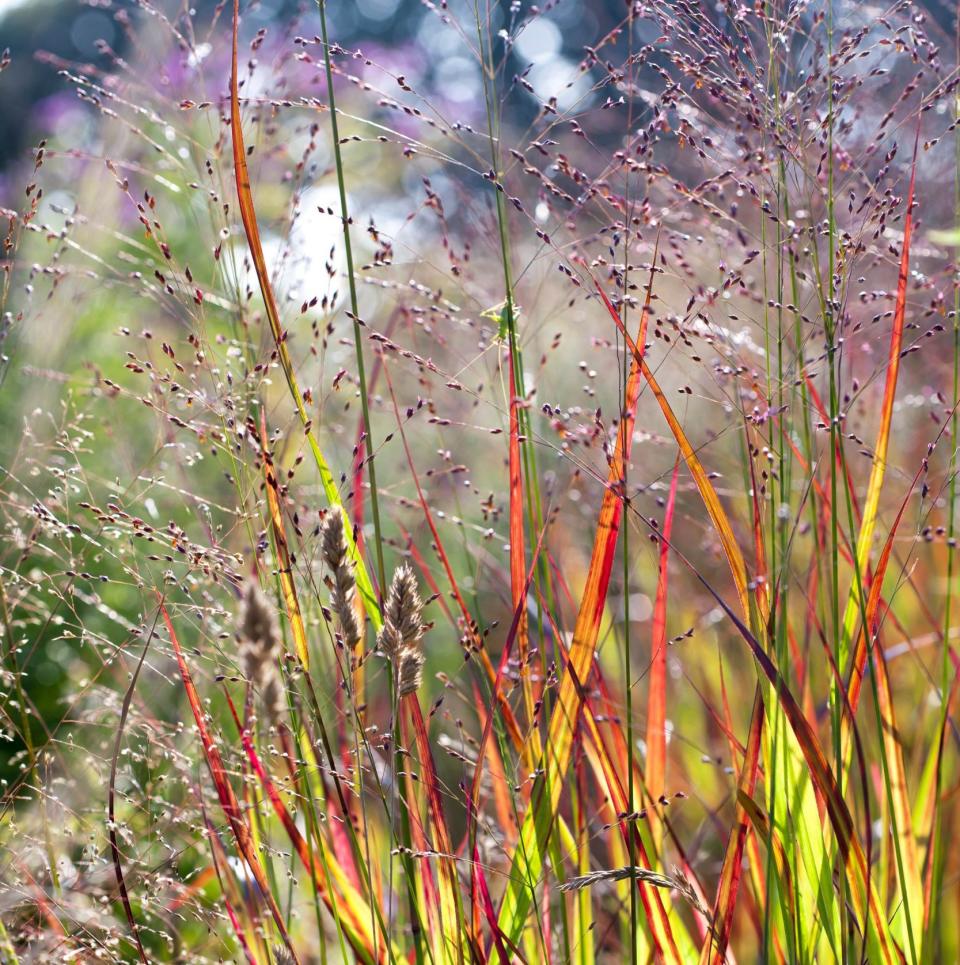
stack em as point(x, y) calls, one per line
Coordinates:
point(281, 956)
point(333, 545)
point(410, 670)
point(259, 639)
point(399, 637)
point(402, 614)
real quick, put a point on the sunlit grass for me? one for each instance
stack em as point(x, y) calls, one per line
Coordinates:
point(505, 527)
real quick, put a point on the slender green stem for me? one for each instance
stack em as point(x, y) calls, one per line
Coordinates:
point(352, 283)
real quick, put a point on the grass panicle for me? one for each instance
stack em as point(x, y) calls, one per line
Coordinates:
point(258, 636)
point(335, 550)
point(399, 639)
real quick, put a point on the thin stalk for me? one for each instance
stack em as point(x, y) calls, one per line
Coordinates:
point(939, 852)
point(352, 283)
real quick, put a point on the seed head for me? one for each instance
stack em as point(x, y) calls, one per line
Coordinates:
point(259, 640)
point(333, 544)
point(399, 638)
point(403, 614)
point(257, 632)
point(410, 670)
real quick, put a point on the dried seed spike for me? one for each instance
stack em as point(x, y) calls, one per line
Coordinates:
point(616, 874)
point(274, 697)
point(403, 610)
point(399, 638)
point(257, 632)
point(410, 670)
point(333, 543)
point(259, 639)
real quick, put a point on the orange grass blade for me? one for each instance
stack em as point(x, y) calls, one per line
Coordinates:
point(283, 550)
point(715, 948)
point(707, 492)
point(879, 465)
point(529, 856)
point(251, 229)
point(657, 701)
point(872, 607)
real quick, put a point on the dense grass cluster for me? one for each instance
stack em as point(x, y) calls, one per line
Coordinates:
point(485, 498)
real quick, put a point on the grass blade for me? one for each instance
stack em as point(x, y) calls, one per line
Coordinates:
point(225, 793)
point(657, 701)
point(878, 467)
point(249, 217)
point(707, 492)
point(545, 797)
point(112, 794)
point(715, 948)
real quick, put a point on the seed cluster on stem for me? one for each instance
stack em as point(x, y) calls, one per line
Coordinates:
point(333, 545)
point(400, 637)
point(259, 639)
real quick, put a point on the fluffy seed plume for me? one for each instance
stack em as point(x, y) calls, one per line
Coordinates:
point(259, 640)
point(336, 555)
point(402, 616)
point(410, 670)
point(281, 956)
point(399, 637)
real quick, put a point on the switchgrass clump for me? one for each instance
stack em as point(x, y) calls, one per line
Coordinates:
point(629, 336)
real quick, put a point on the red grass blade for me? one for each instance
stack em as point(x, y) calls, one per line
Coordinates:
point(469, 622)
point(517, 552)
point(112, 794)
point(283, 550)
point(228, 904)
point(483, 892)
point(452, 918)
point(228, 800)
point(715, 949)
point(545, 796)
